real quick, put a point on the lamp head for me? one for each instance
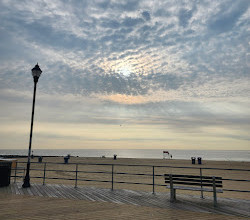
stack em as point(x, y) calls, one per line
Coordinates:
point(36, 72)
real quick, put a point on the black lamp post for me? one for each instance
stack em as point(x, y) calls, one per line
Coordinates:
point(36, 72)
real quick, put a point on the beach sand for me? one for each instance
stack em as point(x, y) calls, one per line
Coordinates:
point(63, 171)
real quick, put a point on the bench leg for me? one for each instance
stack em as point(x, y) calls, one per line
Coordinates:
point(172, 195)
point(172, 190)
point(215, 198)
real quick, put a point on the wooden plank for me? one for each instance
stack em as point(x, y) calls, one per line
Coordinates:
point(50, 191)
point(123, 196)
point(16, 189)
point(63, 189)
point(40, 189)
point(29, 191)
point(107, 195)
point(127, 196)
point(67, 193)
point(25, 191)
point(60, 191)
point(72, 191)
point(20, 188)
point(57, 191)
point(90, 193)
point(83, 194)
point(43, 190)
point(104, 195)
point(36, 191)
point(54, 191)
point(75, 192)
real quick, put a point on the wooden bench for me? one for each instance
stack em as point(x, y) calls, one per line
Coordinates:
point(193, 183)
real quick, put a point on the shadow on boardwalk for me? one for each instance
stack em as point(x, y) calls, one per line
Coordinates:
point(229, 207)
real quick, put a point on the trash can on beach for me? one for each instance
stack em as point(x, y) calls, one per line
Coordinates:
point(193, 160)
point(5, 173)
point(40, 159)
point(66, 159)
point(199, 160)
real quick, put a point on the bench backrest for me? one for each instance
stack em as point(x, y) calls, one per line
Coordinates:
point(193, 180)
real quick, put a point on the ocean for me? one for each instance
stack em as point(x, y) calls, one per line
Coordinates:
point(219, 155)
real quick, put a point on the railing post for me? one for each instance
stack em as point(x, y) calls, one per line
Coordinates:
point(112, 177)
point(15, 172)
point(24, 170)
point(44, 173)
point(214, 192)
point(153, 179)
point(201, 184)
point(76, 175)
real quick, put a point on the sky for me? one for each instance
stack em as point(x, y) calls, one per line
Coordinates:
point(126, 74)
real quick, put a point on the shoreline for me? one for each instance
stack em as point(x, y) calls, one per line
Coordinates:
point(211, 155)
point(119, 158)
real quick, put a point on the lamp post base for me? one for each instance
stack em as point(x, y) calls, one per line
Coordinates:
point(26, 182)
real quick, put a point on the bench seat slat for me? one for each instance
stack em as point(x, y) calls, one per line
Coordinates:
point(196, 189)
point(193, 176)
point(193, 183)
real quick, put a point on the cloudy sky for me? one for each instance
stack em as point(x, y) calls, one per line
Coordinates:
point(126, 74)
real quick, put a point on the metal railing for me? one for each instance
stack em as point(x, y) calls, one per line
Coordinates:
point(151, 174)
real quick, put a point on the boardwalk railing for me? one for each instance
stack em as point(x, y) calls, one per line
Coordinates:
point(149, 175)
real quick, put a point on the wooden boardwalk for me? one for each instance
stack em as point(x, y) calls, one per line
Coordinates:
point(233, 207)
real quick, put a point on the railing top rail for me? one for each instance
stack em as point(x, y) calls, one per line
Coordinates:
point(144, 165)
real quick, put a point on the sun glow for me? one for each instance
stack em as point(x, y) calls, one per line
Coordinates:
point(125, 70)
point(131, 64)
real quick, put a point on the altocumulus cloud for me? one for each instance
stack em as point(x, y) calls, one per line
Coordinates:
point(145, 62)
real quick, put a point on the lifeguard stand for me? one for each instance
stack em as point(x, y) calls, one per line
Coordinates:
point(166, 155)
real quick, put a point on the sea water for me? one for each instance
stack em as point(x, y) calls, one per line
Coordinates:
point(219, 155)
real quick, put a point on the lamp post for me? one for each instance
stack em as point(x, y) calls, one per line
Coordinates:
point(36, 72)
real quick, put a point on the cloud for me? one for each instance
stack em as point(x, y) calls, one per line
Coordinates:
point(127, 5)
point(184, 17)
point(146, 15)
point(133, 58)
point(130, 22)
point(227, 17)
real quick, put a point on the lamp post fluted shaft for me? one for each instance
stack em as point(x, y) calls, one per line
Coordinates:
point(36, 72)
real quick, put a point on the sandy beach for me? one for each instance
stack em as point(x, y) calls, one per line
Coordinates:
point(63, 172)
